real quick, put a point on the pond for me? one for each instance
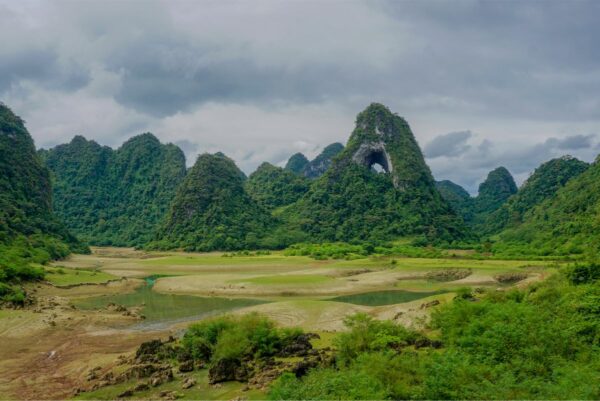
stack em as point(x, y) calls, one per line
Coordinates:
point(162, 310)
point(390, 297)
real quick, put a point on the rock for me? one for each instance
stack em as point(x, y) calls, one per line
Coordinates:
point(298, 347)
point(154, 351)
point(141, 387)
point(168, 395)
point(301, 368)
point(433, 303)
point(126, 393)
point(186, 366)
point(187, 383)
point(151, 347)
point(92, 374)
point(227, 369)
point(143, 370)
point(163, 376)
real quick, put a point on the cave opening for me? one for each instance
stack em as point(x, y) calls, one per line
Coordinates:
point(377, 161)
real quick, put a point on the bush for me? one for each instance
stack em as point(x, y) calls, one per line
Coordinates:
point(583, 273)
point(236, 337)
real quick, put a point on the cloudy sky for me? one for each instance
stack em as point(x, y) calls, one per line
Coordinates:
point(482, 84)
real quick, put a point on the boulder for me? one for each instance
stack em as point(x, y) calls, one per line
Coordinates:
point(186, 366)
point(227, 369)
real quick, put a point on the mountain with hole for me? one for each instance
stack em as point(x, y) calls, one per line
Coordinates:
point(378, 188)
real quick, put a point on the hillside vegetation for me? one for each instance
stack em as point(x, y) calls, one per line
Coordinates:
point(212, 210)
point(537, 343)
point(351, 201)
point(114, 197)
point(273, 187)
point(566, 223)
point(29, 231)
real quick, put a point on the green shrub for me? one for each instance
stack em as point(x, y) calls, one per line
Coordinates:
point(236, 337)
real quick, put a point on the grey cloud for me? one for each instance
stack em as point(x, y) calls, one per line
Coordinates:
point(450, 145)
point(572, 142)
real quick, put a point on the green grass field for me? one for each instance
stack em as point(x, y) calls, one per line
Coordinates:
point(62, 276)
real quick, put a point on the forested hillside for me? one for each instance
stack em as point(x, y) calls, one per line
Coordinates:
point(272, 187)
point(315, 168)
point(541, 185)
point(458, 198)
point(352, 201)
point(114, 197)
point(296, 163)
point(212, 210)
point(566, 223)
point(29, 231)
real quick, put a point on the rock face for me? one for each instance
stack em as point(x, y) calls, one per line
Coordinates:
point(25, 189)
point(322, 162)
point(352, 200)
point(212, 210)
point(114, 197)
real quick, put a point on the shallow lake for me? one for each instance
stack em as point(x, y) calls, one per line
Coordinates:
point(162, 310)
point(390, 297)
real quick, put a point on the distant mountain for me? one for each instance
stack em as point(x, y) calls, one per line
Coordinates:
point(493, 192)
point(272, 187)
point(541, 185)
point(460, 200)
point(297, 163)
point(315, 168)
point(211, 210)
point(352, 201)
point(29, 230)
point(115, 197)
point(319, 165)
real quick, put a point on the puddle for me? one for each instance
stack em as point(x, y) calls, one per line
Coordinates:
point(378, 298)
point(164, 310)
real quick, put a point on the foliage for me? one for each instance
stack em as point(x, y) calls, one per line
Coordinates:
point(353, 202)
point(114, 197)
point(538, 343)
point(230, 337)
point(296, 163)
point(273, 187)
point(366, 335)
point(566, 223)
point(541, 185)
point(458, 198)
point(583, 273)
point(212, 211)
point(29, 231)
point(320, 164)
point(493, 192)
point(357, 250)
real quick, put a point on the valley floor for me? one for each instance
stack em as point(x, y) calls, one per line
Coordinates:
point(90, 311)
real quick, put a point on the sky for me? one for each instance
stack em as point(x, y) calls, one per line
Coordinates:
point(482, 84)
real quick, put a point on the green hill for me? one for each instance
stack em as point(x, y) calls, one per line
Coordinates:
point(352, 201)
point(460, 200)
point(273, 187)
point(114, 197)
point(541, 185)
point(568, 222)
point(211, 210)
point(296, 163)
point(29, 231)
point(319, 165)
point(493, 192)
